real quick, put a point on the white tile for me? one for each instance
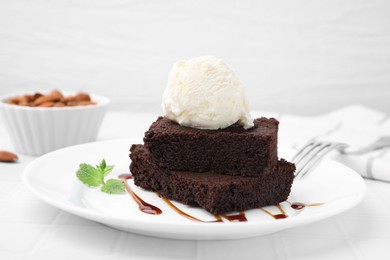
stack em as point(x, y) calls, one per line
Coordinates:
point(8, 173)
point(315, 247)
point(6, 189)
point(377, 249)
point(79, 240)
point(382, 191)
point(13, 171)
point(152, 248)
point(28, 212)
point(259, 247)
point(19, 238)
point(12, 256)
point(22, 193)
point(371, 204)
point(374, 226)
point(326, 227)
point(70, 219)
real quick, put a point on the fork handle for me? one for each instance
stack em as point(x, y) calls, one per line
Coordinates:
point(382, 142)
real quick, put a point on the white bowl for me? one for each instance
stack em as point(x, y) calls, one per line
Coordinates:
point(37, 130)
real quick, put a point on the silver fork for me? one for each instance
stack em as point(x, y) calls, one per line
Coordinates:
point(311, 154)
point(381, 142)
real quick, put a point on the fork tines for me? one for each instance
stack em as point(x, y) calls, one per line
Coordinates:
point(311, 154)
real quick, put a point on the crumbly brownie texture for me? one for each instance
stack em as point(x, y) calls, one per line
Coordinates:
point(230, 151)
point(217, 193)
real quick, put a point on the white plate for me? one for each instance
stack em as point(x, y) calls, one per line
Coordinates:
point(52, 178)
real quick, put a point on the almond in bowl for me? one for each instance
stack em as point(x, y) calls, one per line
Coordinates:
point(38, 123)
point(53, 99)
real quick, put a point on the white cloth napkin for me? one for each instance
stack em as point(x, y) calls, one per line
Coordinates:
point(355, 125)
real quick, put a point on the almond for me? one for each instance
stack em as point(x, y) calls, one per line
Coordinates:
point(59, 104)
point(56, 94)
point(47, 104)
point(23, 99)
point(25, 104)
point(37, 95)
point(54, 98)
point(6, 156)
point(30, 98)
point(85, 103)
point(71, 103)
point(81, 97)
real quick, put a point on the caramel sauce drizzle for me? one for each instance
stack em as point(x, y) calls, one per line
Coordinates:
point(240, 217)
point(300, 205)
point(281, 215)
point(142, 205)
point(182, 213)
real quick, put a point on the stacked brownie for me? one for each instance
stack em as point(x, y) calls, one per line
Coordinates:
point(223, 170)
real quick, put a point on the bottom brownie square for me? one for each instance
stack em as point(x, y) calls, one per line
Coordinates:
point(214, 192)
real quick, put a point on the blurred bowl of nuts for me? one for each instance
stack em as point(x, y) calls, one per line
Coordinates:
point(38, 123)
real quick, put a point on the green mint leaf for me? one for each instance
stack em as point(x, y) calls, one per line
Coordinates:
point(107, 170)
point(94, 177)
point(103, 164)
point(113, 186)
point(89, 175)
point(104, 168)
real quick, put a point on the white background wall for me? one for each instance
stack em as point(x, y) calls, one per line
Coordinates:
point(303, 57)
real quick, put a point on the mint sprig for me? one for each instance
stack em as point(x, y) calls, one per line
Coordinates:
point(113, 186)
point(94, 177)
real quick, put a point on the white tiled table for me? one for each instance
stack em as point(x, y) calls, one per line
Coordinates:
point(31, 229)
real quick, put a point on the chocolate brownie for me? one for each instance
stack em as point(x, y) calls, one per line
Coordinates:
point(231, 151)
point(217, 193)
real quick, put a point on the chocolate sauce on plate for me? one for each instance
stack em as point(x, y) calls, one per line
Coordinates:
point(182, 213)
point(240, 217)
point(142, 205)
point(300, 205)
point(281, 215)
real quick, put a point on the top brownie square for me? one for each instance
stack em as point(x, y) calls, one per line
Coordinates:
point(231, 151)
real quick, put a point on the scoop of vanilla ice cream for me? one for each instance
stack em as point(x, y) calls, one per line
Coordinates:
point(205, 93)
